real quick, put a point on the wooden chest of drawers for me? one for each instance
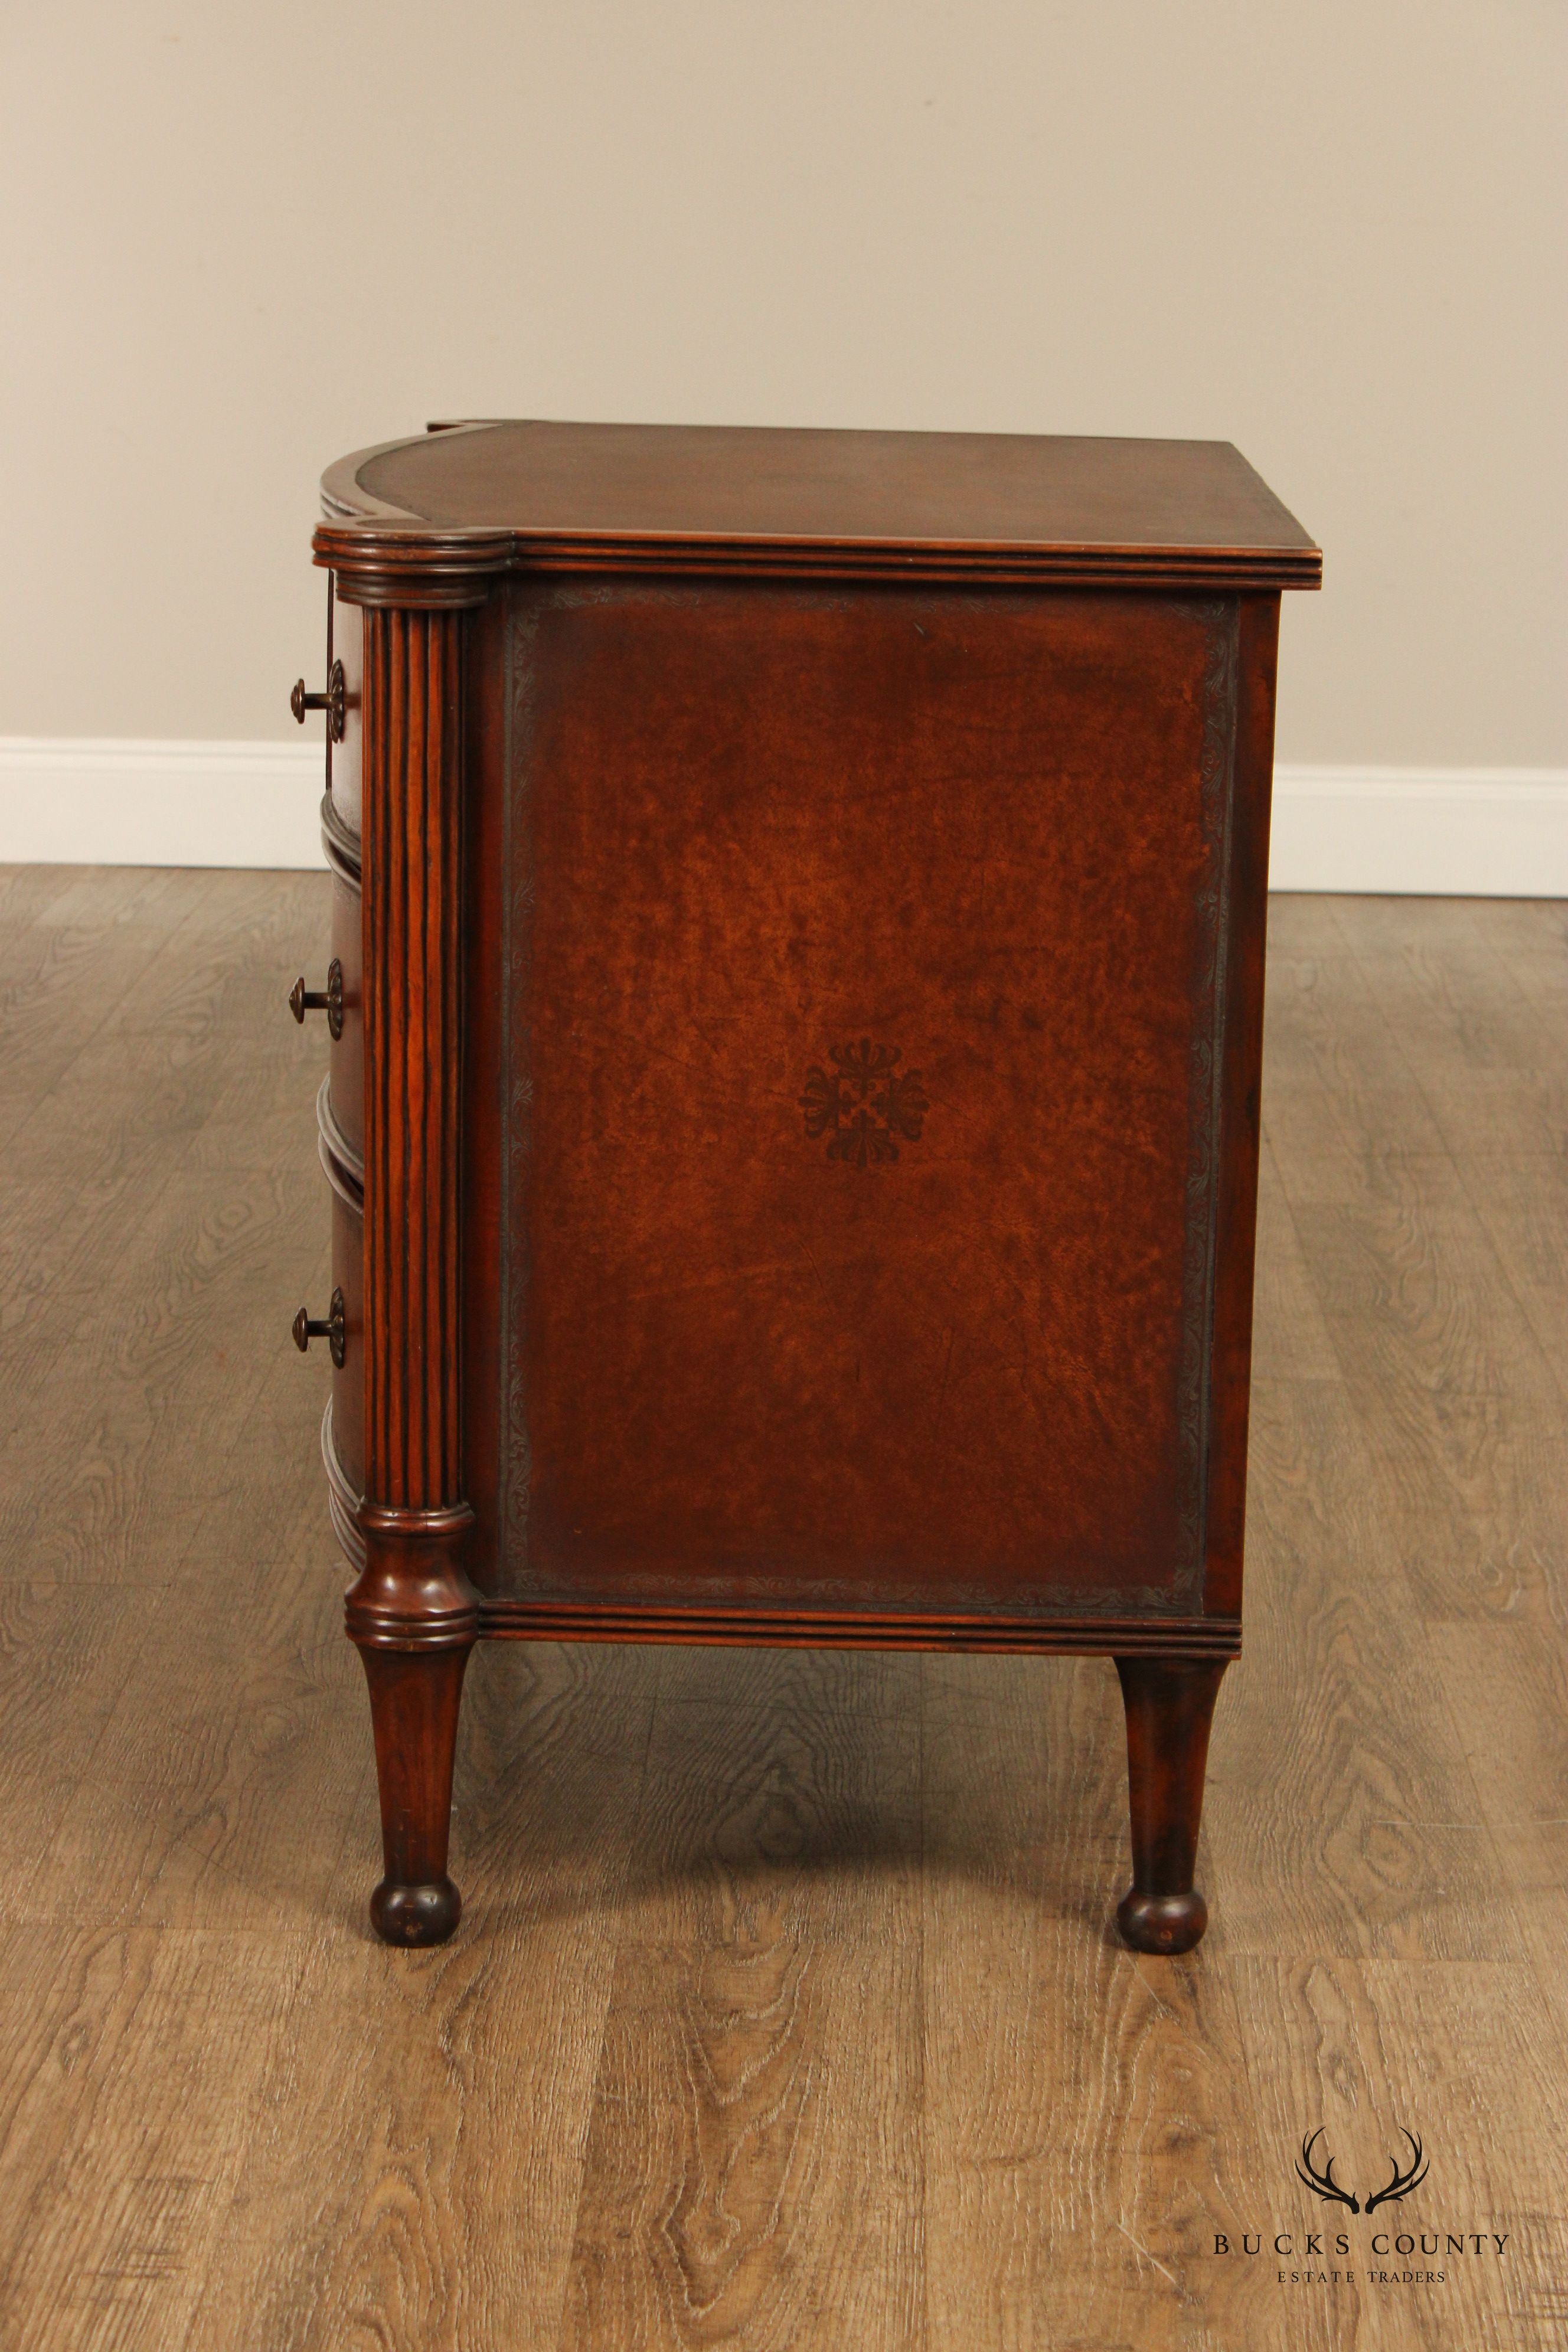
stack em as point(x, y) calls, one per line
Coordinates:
point(795, 999)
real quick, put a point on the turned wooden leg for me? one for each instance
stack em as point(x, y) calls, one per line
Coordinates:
point(413, 1700)
point(414, 1617)
point(412, 1614)
point(1170, 1705)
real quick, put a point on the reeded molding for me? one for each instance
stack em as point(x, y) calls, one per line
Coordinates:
point(411, 568)
point(413, 1047)
point(428, 568)
point(413, 1591)
point(553, 1621)
point(383, 553)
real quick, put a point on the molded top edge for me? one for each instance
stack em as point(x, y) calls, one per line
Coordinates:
point(492, 497)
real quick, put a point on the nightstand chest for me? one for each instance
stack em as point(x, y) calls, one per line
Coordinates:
point(793, 1111)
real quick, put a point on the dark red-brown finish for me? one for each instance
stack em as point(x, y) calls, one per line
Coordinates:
point(346, 1054)
point(412, 906)
point(1239, 1108)
point(548, 496)
point(1170, 1706)
point(412, 1610)
point(413, 1701)
point(347, 1424)
point(810, 1024)
point(966, 1377)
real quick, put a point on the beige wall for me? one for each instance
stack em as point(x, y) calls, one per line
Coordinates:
point(241, 239)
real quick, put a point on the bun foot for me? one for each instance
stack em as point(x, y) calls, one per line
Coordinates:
point(1162, 1924)
point(415, 1914)
point(1170, 1703)
point(414, 1698)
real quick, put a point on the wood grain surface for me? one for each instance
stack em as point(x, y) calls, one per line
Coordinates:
point(786, 2010)
point(759, 498)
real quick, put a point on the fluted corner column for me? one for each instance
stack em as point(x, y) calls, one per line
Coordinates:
point(412, 1594)
point(412, 1612)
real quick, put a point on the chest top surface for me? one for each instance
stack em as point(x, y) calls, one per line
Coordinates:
point(1054, 506)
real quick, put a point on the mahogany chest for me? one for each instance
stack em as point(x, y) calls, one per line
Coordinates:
point(795, 1010)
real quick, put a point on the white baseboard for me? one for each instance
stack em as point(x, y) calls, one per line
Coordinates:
point(1450, 831)
point(101, 801)
point(1461, 832)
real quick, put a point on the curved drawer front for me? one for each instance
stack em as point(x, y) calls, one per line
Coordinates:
point(345, 1171)
point(345, 643)
point(346, 1063)
point(348, 1384)
point(341, 841)
point(339, 1104)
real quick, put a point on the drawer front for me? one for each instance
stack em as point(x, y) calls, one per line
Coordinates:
point(348, 1382)
point(345, 644)
point(346, 1067)
point(339, 1104)
point(340, 834)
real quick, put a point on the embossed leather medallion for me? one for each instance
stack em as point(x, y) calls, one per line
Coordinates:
point(863, 1104)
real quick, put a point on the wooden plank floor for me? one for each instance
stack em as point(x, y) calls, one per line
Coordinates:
point(784, 2012)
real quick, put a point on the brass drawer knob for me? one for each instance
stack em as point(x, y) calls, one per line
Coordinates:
point(334, 1330)
point(328, 1000)
point(334, 702)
